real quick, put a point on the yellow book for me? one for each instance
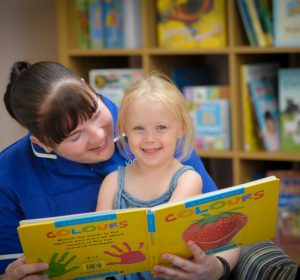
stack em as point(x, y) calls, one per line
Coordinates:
point(191, 24)
point(104, 244)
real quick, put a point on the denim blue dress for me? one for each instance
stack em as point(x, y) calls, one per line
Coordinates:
point(125, 200)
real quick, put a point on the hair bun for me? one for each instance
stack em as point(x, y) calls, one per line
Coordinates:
point(17, 69)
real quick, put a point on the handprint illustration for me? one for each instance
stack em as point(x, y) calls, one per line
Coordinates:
point(127, 257)
point(59, 267)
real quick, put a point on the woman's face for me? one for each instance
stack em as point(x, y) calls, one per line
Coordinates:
point(91, 141)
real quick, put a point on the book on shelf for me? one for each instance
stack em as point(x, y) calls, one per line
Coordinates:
point(248, 26)
point(113, 18)
point(105, 244)
point(132, 24)
point(263, 9)
point(257, 27)
point(191, 24)
point(96, 26)
point(112, 83)
point(265, 102)
point(251, 72)
point(210, 113)
point(82, 23)
point(288, 225)
point(286, 16)
point(289, 108)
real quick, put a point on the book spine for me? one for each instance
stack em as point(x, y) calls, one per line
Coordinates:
point(132, 24)
point(113, 11)
point(250, 139)
point(96, 24)
point(154, 257)
point(247, 23)
point(262, 19)
point(82, 23)
point(260, 38)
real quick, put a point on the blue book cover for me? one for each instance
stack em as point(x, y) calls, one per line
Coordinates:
point(113, 11)
point(289, 106)
point(212, 125)
point(264, 99)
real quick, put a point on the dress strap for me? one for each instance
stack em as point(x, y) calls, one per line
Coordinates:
point(121, 172)
point(178, 173)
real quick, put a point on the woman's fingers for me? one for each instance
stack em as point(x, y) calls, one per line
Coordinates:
point(20, 270)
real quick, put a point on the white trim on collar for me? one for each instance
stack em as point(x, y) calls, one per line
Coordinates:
point(43, 155)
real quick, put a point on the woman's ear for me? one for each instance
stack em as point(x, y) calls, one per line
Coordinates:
point(34, 140)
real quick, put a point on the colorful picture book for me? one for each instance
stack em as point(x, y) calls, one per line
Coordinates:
point(252, 72)
point(112, 83)
point(105, 244)
point(113, 17)
point(191, 24)
point(286, 16)
point(289, 107)
point(265, 102)
point(210, 113)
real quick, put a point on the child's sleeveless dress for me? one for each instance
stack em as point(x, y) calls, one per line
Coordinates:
point(125, 200)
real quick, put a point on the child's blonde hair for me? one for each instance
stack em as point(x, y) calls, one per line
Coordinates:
point(158, 87)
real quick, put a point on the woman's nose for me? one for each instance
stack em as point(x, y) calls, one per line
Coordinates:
point(96, 134)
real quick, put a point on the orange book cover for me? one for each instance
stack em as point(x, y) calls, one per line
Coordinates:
point(105, 244)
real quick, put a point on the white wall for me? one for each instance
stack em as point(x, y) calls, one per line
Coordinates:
point(28, 31)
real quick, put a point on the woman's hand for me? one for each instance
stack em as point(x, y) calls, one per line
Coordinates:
point(202, 267)
point(20, 270)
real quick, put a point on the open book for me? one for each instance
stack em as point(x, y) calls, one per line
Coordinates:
point(103, 244)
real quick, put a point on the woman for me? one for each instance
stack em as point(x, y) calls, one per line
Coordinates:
point(57, 168)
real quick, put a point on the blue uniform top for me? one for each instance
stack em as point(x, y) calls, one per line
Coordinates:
point(34, 184)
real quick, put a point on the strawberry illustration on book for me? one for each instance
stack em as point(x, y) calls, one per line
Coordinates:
point(214, 231)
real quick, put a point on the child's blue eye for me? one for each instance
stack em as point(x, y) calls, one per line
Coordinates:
point(161, 127)
point(138, 128)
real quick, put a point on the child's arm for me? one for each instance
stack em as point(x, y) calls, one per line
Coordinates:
point(188, 184)
point(108, 189)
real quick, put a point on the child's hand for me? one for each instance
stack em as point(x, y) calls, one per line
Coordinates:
point(202, 267)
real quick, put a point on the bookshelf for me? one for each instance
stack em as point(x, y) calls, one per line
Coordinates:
point(226, 167)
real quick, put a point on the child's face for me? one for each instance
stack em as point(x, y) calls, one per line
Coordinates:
point(92, 141)
point(152, 131)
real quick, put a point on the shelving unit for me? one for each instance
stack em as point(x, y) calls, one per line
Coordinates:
point(226, 167)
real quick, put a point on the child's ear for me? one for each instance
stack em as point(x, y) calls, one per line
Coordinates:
point(35, 140)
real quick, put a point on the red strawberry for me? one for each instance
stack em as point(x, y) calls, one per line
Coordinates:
point(215, 231)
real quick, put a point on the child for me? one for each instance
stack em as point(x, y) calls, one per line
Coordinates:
point(158, 128)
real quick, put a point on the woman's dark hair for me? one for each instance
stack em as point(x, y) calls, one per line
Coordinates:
point(48, 99)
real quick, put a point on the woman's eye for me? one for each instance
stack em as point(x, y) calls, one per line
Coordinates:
point(75, 136)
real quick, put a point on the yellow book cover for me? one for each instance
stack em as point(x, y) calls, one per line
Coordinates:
point(104, 244)
point(191, 24)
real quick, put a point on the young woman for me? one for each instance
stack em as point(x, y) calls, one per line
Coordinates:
point(56, 169)
point(158, 129)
